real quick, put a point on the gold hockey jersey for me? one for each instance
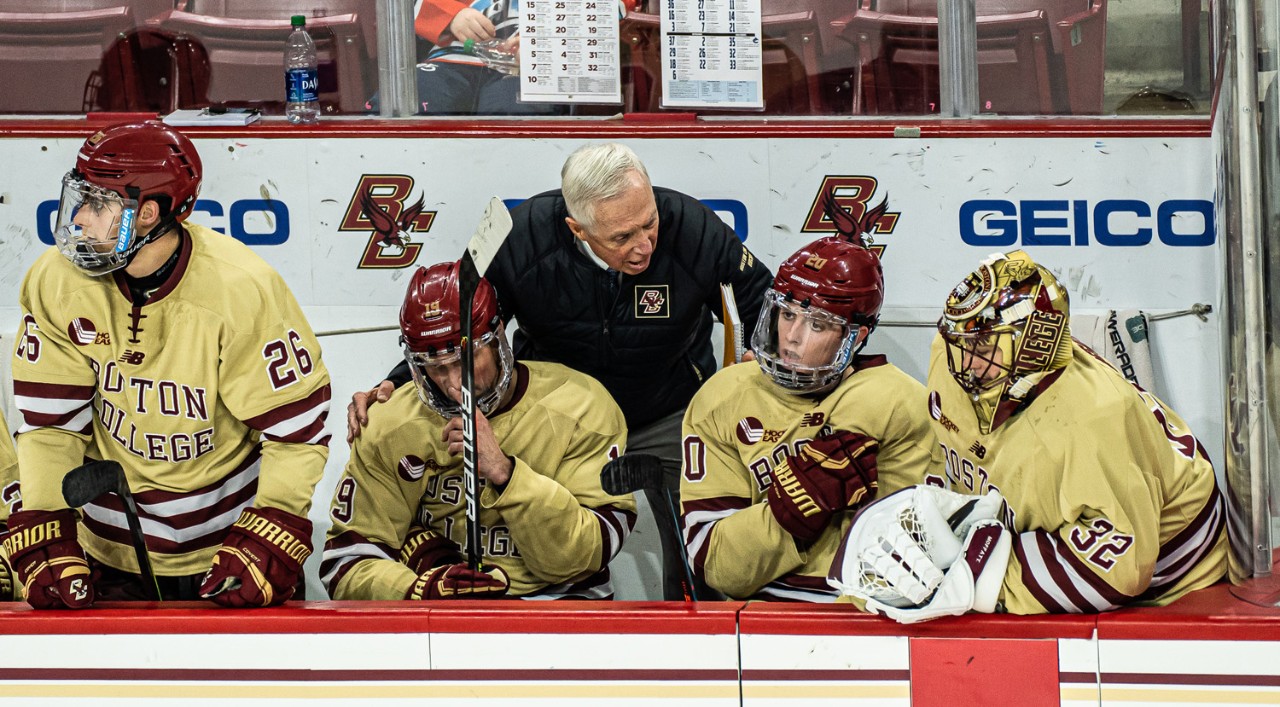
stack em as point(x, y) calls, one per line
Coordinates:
point(739, 425)
point(10, 495)
point(1113, 499)
point(211, 395)
point(552, 529)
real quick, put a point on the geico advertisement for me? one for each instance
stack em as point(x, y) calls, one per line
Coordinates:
point(1126, 222)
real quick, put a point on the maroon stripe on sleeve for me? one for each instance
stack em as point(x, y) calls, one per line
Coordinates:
point(54, 391)
point(284, 412)
point(305, 434)
point(1047, 542)
point(1029, 579)
point(43, 419)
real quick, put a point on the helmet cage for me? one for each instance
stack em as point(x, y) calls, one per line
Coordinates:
point(979, 359)
point(421, 362)
point(106, 237)
point(791, 376)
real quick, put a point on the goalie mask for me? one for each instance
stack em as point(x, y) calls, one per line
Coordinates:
point(1005, 328)
point(117, 171)
point(431, 333)
point(810, 323)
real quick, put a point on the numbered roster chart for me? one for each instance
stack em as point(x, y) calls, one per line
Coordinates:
point(711, 54)
point(569, 52)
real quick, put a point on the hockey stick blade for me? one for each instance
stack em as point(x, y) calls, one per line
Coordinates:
point(95, 479)
point(643, 473)
point(630, 473)
point(484, 245)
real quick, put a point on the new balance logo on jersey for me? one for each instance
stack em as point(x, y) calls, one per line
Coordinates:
point(132, 358)
point(652, 302)
point(978, 450)
point(813, 419)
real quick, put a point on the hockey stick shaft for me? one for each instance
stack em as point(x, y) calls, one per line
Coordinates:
point(94, 479)
point(639, 472)
point(468, 280)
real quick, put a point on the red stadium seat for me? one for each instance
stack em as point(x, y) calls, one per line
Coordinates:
point(245, 41)
point(1038, 57)
point(48, 58)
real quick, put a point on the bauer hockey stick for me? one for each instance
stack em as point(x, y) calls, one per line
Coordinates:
point(97, 478)
point(481, 249)
point(643, 472)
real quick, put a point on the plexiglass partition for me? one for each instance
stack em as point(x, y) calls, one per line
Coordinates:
point(809, 58)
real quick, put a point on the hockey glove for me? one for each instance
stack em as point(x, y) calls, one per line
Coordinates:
point(260, 559)
point(924, 552)
point(459, 581)
point(47, 559)
point(425, 549)
point(830, 474)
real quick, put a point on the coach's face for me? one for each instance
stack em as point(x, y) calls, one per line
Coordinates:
point(625, 231)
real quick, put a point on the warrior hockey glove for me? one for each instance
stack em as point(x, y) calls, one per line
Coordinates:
point(459, 582)
point(425, 549)
point(829, 474)
point(260, 559)
point(924, 552)
point(48, 560)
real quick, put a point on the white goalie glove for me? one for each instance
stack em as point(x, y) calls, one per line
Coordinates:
point(925, 552)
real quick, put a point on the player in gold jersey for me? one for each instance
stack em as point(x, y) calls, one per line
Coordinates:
point(780, 452)
point(10, 501)
point(1110, 499)
point(179, 353)
point(543, 433)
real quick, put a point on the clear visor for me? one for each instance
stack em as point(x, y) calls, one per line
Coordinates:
point(804, 349)
point(96, 227)
point(979, 359)
point(436, 374)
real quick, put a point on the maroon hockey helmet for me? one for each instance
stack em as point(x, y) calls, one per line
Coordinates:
point(117, 170)
point(431, 333)
point(835, 285)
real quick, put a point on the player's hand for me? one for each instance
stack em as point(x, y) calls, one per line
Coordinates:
point(459, 581)
point(492, 464)
point(925, 552)
point(748, 355)
point(358, 408)
point(47, 559)
point(830, 474)
point(260, 559)
point(424, 549)
point(470, 23)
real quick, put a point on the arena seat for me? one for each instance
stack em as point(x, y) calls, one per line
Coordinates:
point(1038, 57)
point(245, 42)
point(791, 46)
point(48, 57)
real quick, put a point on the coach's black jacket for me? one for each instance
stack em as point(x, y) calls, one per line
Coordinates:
point(647, 338)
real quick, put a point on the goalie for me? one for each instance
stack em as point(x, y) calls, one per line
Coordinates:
point(1078, 491)
point(542, 434)
point(781, 451)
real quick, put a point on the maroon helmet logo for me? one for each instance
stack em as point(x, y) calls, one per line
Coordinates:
point(750, 430)
point(411, 468)
point(82, 331)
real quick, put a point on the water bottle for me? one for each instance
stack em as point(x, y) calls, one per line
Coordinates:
point(495, 55)
point(302, 104)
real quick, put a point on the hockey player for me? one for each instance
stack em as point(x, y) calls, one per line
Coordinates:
point(779, 453)
point(10, 501)
point(179, 353)
point(1110, 499)
point(543, 433)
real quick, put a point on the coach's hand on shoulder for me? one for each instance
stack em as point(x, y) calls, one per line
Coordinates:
point(260, 559)
point(458, 581)
point(830, 474)
point(48, 560)
point(358, 408)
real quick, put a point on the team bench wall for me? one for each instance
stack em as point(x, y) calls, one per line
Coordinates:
point(1208, 649)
